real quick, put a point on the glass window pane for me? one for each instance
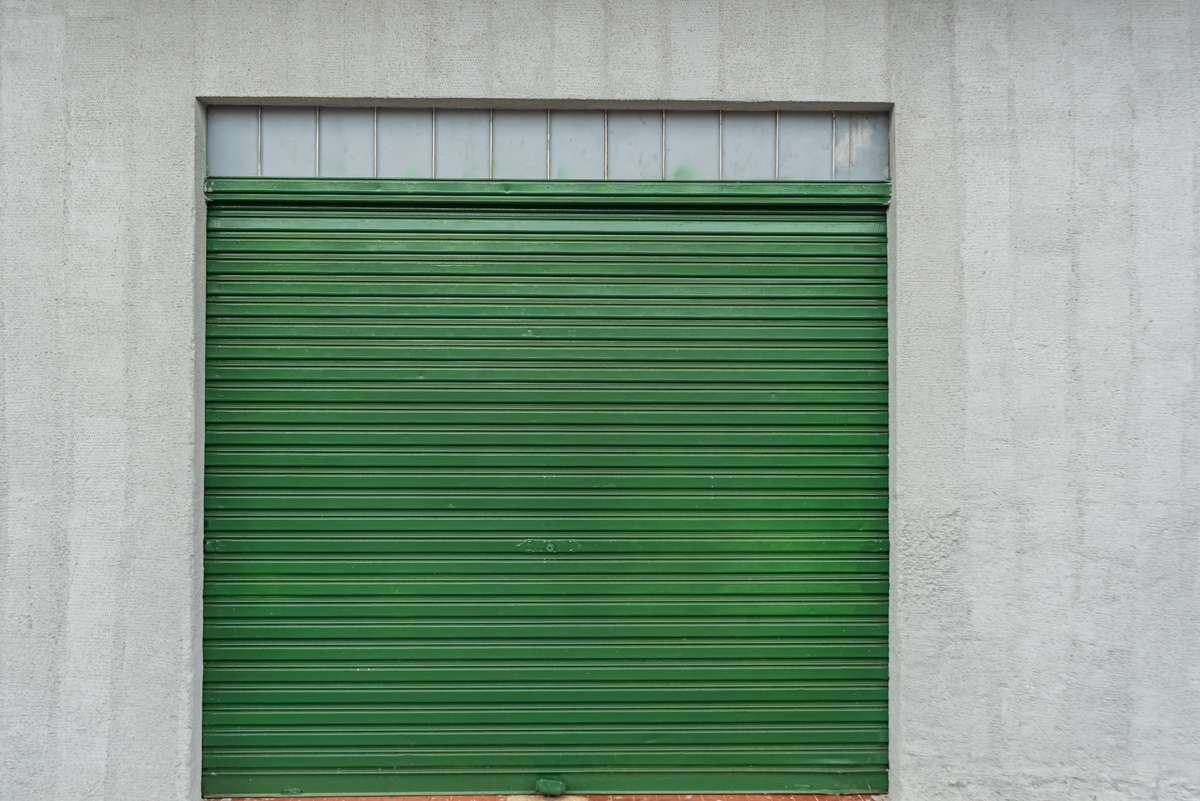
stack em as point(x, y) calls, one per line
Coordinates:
point(577, 145)
point(805, 146)
point(519, 144)
point(635, 145)
point(748, 146)
point(693, 145)
point(862, 146)
point(289, 142)
point(463, 149)
point(232, 140)
point(405, 143)
point(347, 142)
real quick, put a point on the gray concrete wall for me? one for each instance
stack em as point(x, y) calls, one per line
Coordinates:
point(1046, 599)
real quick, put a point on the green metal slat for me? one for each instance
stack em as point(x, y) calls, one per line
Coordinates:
point(349, 542)
point(243, 587)
point(871, 778)
point(367, 655)
point(482, 225)
point(594, 195)
point(785, 376)
point(483, 414)
point(494, 781)
point(518, 691)
point(648, 481)
point(698, 268)
point(383, 350)
point(542, 629)
point(360, 393)
point(799, 288)
point(218, 458)
point(507, 480)
point(560, 565)
point(739, 523)
point(430, 248)
point(466, 437)
point(556, 717)
point(796, 309)
point(425, 738)
point(564, 502)
point(502, 757)
point(512, 609)
point(305, 329)
point(262, 653)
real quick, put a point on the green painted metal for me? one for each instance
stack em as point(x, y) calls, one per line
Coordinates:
point(550, 786)
point(517, 487)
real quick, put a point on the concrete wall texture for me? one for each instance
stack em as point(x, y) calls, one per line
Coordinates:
point(1046, 407)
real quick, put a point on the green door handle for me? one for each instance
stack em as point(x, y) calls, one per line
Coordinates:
point(550, 786)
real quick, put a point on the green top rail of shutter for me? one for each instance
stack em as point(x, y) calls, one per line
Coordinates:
point(373, 191)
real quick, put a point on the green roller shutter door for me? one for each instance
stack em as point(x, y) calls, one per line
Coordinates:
point(573, 481)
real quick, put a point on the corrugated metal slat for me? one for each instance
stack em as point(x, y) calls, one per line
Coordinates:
point(509, 480)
